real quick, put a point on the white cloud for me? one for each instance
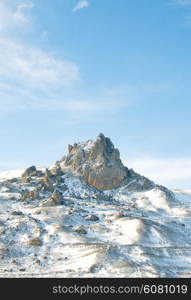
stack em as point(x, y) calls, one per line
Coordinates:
point(163, 171)
point(32, 66)
point(13, 16)
point(26, 70)
point(34, 79)
point(79, 108)
point(21, 11)
point(24, 64)
point(81, 4)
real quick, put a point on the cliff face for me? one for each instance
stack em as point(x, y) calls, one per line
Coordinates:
point(98, 162)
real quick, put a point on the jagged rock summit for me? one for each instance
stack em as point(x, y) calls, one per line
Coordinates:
point(98, 162)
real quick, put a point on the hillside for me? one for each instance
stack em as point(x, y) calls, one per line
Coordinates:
point(90, 216)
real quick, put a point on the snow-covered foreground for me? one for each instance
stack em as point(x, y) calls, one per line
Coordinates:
point(116, 233)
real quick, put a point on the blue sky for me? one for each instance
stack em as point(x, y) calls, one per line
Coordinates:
point(70, 69)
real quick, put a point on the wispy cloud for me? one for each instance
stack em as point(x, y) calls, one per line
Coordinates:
point(26, 65)
point(80, 5)
point(22, 10)
point(14, 15)
point(163, 171)
point(27, 72)
point(80, 107)
point(35, 79)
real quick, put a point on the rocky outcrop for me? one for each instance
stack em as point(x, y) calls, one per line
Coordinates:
point(98, 162)
point(32, 171)
point(29, 171)
point(56, 171)
point(56, 198)
point(81, 230)
point(27, 194)
point(93, 218)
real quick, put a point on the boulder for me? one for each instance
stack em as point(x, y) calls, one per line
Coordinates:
point(56, 171)
point(93, 218)
point(29, 171)
point(30, 194)
point(47, 182)
point(35, 242)
point(56, 198)
point(81, 230)
point(119, 215)
point(25, 179)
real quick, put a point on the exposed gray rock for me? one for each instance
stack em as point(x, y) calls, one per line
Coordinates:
point(35, 242)
point(81, 230)
point(29, 171)
point(48, 173)
point(56, 171)
point(47, 182)
point(37, 173)
point(98, 162)
point(25, 179)
point(56, 198)
point(166, 193)
point(30, 194)
point(119, 215)
point(11, 180)
point(17, 213)
point(2, 230)
point(46, 186)
point(138, 183)
point(93, 218)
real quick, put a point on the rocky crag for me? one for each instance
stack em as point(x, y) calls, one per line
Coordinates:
point(99, 163)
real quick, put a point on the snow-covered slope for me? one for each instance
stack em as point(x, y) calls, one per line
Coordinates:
point(92, 233)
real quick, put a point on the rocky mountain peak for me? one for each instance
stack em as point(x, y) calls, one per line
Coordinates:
point(56, 209)
point(98, 162)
